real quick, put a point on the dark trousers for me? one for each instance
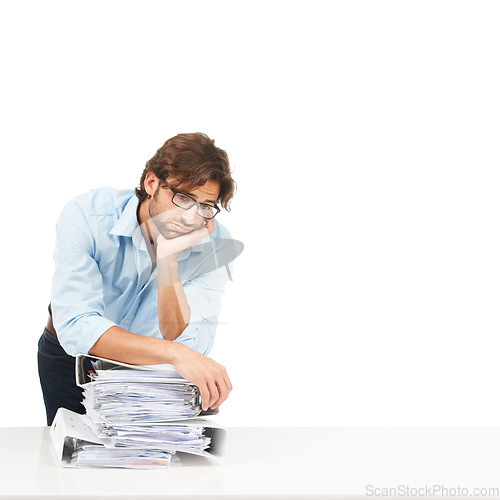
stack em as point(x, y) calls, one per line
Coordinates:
point(56, 369)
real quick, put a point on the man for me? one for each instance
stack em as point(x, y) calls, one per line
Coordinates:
point(139, 276)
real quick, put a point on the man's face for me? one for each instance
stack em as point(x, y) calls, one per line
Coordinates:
point(173, 221)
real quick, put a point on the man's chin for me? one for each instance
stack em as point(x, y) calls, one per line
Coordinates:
point(170, 235)
point(167, 231)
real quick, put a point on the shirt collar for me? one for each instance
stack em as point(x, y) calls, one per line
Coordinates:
point(127, 222)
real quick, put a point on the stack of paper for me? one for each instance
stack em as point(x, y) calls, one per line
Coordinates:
point(98, 456)
point(123, 396)
point(188, 438)
point(136, 418)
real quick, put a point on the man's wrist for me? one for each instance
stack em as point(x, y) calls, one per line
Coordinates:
point(172, 352)
point(168, 270)
point(172, 260)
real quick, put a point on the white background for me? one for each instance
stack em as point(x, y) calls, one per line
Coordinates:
point(364, 138)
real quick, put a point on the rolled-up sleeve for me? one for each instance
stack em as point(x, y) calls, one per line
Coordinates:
point(77, 287)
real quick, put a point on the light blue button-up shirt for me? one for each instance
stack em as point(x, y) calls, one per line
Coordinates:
point(103, 275)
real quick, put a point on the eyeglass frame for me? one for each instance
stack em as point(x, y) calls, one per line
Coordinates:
point(192, 204)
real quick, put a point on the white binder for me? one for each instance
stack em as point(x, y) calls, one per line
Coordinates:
point(69, 430)
point(82, 378)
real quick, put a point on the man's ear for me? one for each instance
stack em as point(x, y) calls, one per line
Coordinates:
point(151, 183)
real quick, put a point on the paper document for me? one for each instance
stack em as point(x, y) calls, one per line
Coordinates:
point(120, 395)
point(136, 417)
point(80, 442)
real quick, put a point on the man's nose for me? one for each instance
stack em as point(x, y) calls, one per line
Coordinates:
point(190, 216)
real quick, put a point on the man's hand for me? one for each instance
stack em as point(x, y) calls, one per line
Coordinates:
point(210, 377)
point(173, 247)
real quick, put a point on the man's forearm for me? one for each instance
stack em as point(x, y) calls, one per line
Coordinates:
point(210, 377)
point(121, 345)
point(173, 308)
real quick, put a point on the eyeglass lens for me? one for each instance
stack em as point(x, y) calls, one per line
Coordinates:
point(185, 202)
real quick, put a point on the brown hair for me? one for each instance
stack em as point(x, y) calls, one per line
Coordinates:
point(192, 159)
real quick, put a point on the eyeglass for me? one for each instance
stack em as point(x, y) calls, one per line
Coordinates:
point(185, 202)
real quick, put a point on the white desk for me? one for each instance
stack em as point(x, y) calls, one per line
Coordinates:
point(271, 462)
